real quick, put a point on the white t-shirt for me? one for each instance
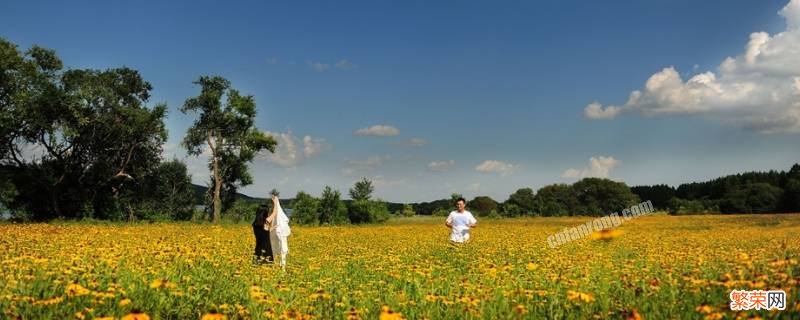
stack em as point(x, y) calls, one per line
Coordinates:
point(459, 225)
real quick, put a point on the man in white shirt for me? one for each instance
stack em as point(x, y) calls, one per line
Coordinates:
point(459, 221)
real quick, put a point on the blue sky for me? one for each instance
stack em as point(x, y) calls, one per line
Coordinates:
point(474, 97)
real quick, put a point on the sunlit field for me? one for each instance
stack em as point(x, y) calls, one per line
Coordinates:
point(657, 267)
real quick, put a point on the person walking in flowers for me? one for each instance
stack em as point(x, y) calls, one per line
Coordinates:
point(279, 230)
point(460, 221)
point(263, 250)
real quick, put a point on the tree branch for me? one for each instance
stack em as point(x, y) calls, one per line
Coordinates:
point(121, 171)
point(14, 152)
point(49, 147)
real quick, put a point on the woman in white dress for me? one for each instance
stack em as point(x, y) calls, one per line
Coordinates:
point(279, 231)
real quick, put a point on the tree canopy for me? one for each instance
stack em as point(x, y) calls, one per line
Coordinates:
point(75, 142)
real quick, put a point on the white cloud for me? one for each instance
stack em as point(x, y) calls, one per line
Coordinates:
point(758, 89)
point(353, 167)
point(380, 130)
point(441, 165)
point(495, 166)
point(599, 167)
point(318, 66)
point(571, 173)
point(285, 154)
point(791, 12)
point(382, 182)
point(413, 142)
point(313, 147)
point(596, 111)
point(417, 142)
point(288, 155)
point(272, 60)
point(343, 64)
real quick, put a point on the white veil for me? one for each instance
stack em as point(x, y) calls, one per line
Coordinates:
point(282, 222)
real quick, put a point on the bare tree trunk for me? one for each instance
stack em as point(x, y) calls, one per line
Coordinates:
point(217, 190)
point(217, 181)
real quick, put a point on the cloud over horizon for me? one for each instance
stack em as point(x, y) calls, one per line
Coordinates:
point(379, 130)
point(439, 166)
point(413, 142)
point(758, 89)
point(599, 167)
point(318, 66)
point(353, 167)
point(288, 153)
point(496, 166)
point(343, 64)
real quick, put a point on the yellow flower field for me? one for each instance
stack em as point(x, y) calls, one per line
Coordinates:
point(656, 267)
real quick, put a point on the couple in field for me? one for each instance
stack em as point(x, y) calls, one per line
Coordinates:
point(271, 229)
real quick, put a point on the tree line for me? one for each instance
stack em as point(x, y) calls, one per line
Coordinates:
point(749, 192)
point(587, 197)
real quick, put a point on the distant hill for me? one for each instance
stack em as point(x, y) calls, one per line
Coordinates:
point(200, 192)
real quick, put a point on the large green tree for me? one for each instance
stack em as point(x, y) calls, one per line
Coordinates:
point(170, 190)
point(659, 194)
point(482, 205)
point(362, 190)
point(752, 198)
point(598, 196)
point(555, 200)
point(407, 211)
point(368, 211)
point(227, 128)
point(521, 199)
point(332, 208)
point(305, 209)
point(75, 142)
point(363, 209)
point(791, 196)
point(791, 190)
